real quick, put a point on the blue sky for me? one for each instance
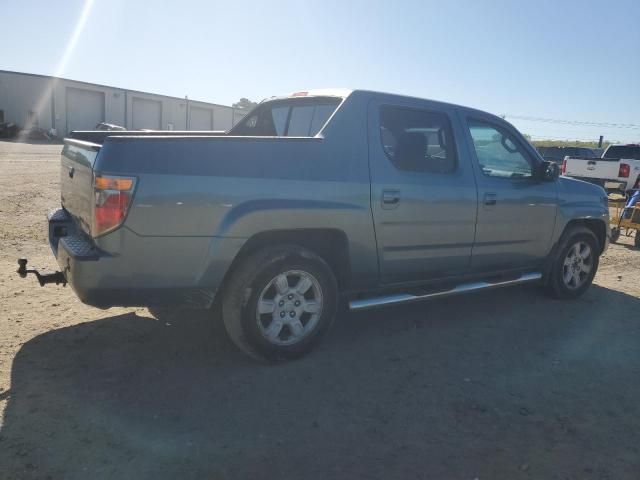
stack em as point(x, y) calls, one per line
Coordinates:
point(569, 60)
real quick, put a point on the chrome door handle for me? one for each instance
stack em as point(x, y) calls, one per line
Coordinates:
point(490, 199)
point(390, 198)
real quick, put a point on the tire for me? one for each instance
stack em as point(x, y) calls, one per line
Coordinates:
point(615, 234)
point(568, 277)
point(294, 314)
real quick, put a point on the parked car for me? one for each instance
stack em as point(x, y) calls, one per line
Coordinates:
point(617, 171)
point(109, 127)
point(374, 198)
point(557, 154)
point(8, 130)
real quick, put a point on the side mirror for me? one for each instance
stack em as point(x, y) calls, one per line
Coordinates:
point(549, 171)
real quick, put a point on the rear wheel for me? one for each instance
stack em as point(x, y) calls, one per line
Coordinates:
point(575, 264)
point(279, 302)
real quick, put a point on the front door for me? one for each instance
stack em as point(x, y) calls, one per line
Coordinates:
point(516, 209)
point(423, 194)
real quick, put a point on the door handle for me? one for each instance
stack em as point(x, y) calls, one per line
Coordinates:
point(490, 199)
point(390, 198)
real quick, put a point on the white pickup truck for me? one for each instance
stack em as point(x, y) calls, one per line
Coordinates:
point(618, 170)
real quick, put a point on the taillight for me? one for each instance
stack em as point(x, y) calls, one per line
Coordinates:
point(563, 170)
point(624, 170)
point(112, 197)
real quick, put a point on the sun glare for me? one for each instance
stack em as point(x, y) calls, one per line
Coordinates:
point(61, 67)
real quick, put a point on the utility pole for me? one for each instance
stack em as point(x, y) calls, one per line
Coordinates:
point(600, 141)
point(186, 120)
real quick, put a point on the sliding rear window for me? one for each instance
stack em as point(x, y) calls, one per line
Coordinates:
point(299, 117)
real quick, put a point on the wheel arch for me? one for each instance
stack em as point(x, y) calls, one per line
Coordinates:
point(331, 244)
point(597, 226)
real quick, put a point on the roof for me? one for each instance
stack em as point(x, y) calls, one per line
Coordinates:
point(49, 77)
point(345, 92)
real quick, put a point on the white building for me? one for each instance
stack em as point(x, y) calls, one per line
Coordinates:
point(39, 101)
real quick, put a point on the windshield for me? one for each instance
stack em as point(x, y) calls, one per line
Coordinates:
point(623, 151)
point(299, 117)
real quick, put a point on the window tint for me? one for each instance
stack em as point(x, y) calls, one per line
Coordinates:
point(302, 117)
point(553, 153)
point(320, 116)
point(279, 115)
point(631, 152)
point(499, 153)
point(300, 122)
point(417, 140)
point(586, 152)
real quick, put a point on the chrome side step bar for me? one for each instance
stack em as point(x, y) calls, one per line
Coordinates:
point(395, 299)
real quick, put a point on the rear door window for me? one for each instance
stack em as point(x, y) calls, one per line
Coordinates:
point(417, 140)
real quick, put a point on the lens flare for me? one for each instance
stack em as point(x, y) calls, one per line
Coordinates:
point(62, 65)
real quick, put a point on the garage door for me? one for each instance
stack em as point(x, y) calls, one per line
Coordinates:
point(146, 114)
point(85, 109)
point(200, 118)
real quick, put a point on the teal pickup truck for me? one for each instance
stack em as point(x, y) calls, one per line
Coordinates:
point(372, 198)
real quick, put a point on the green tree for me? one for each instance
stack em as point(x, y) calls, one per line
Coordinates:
point(245, 104)
point(568, 143)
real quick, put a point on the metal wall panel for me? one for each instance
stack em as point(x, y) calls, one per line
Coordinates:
point(200, 118)
point(85, 108)
point(146, 113)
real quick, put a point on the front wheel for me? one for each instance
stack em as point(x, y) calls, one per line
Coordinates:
point(279, 302)
point(575, 264)
point(615, 234)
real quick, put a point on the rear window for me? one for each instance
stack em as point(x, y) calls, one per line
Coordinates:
point(554, 152)
point(631, 152)
point(303, 117)
point(558, 153)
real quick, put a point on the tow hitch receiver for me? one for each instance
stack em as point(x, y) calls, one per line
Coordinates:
point(57, 277)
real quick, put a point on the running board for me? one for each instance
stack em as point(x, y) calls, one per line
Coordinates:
point(397, 298)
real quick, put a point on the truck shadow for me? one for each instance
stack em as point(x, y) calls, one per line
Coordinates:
point(456, 388)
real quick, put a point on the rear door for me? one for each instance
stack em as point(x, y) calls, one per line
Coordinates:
point(423, 196)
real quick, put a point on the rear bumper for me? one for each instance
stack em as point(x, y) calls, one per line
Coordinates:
point(154, 271)
point(615, 185)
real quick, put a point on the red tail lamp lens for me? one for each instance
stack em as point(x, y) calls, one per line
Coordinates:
point(113, 197)
point(624, 170)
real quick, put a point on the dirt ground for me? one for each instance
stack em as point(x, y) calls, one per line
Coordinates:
point(500, 385)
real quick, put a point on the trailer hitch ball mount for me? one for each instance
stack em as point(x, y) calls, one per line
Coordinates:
point(43, 278)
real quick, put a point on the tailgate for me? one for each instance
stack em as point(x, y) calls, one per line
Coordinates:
point(76, 180)
point(592, 168)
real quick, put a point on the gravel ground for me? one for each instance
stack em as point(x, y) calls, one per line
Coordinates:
point(500, 385)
